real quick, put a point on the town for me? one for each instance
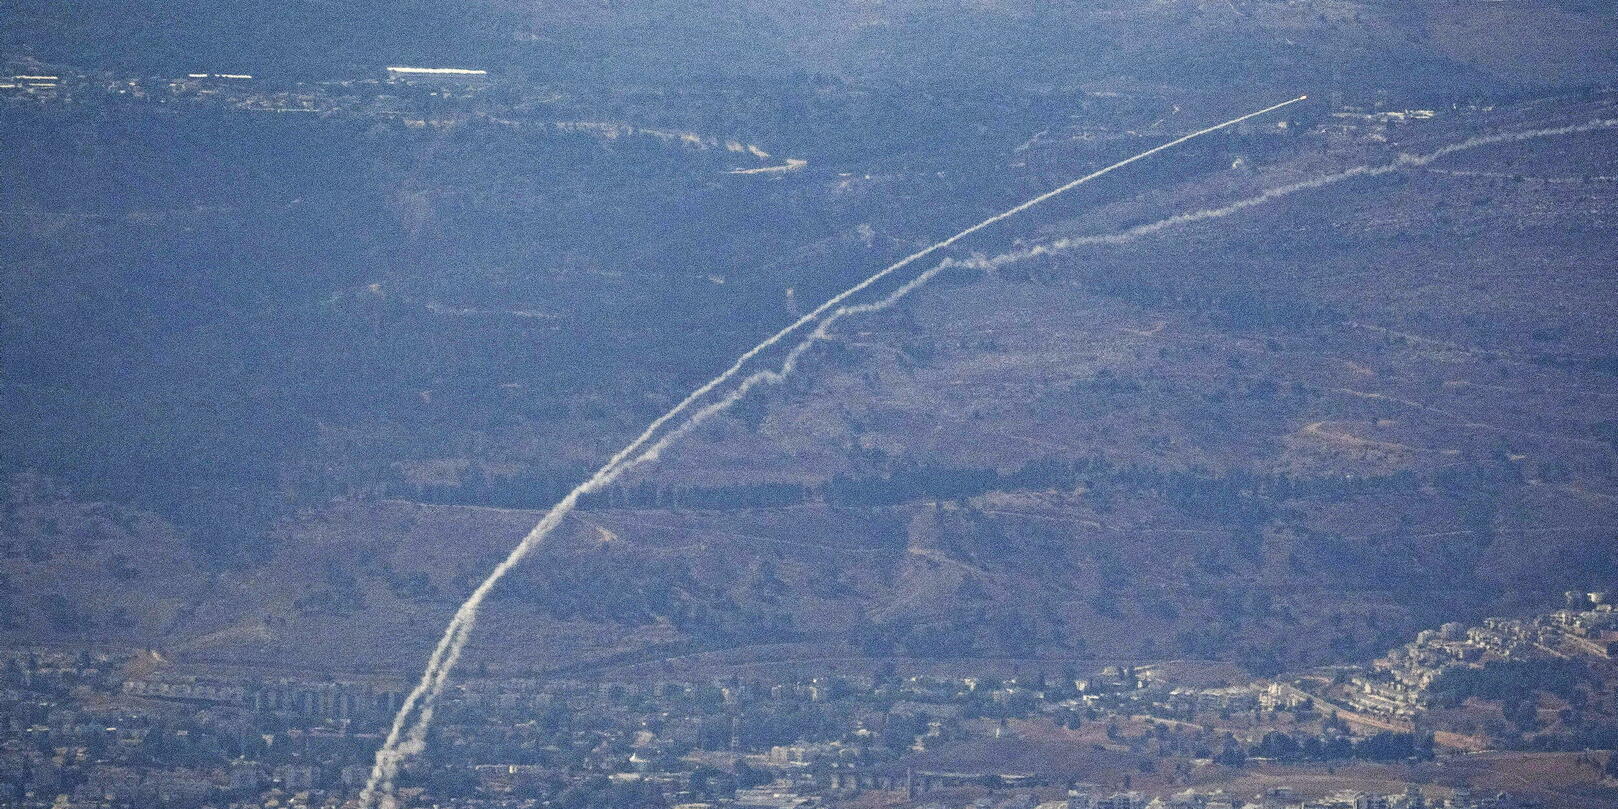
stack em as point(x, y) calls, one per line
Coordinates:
point(1410, 678)
point(105, 728)
point(442, 97)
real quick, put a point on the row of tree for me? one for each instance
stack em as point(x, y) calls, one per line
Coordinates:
point(1236, 496)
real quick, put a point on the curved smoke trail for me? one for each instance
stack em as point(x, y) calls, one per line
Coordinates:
point(651, 430)
point(404, 741)
point(823, 330)
point(1403, 161)
point(406, 738)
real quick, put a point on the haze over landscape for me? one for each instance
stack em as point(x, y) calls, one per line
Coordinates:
point(1250, 442)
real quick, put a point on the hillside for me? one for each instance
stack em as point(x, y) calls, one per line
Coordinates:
point(1289, 436)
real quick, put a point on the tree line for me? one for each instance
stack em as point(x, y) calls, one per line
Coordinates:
point(1238, 497)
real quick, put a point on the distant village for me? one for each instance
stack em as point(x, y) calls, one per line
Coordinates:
point(1401, 684)
point(417, 96)
point(244, 91)
point(100, 728)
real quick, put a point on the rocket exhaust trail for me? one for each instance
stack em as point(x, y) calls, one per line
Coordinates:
point(403, 741)
point(406, 738)
point(736, 367)
point(1403, 161)
point(823, 329)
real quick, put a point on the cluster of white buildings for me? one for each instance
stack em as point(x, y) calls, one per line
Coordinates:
point(1089, 797)
point(1237, 698)
point(1400, 682)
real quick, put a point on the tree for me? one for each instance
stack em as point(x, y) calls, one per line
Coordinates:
point(748, 777)
point(1276, 744)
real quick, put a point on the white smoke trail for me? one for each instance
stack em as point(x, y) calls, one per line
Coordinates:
point(788, 364)
point(1404, 161)
point(837, 300)
point(444, 657)
point(823, 330)
point(406, 738)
